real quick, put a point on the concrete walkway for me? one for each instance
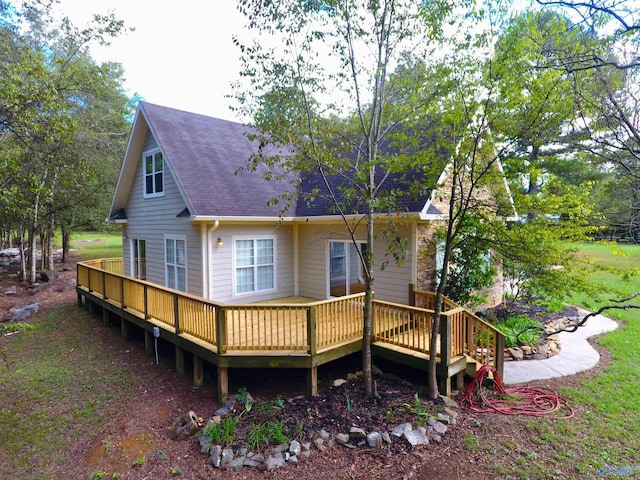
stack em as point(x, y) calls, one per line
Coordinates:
point(576, 355)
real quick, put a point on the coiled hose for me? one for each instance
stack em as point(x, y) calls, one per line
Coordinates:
point(534, 401)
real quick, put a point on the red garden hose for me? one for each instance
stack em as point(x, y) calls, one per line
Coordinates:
point(533, 401)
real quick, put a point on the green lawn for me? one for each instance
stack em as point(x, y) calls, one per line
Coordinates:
point(603, 439)
point(97, 245)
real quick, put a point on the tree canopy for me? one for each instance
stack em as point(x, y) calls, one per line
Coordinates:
point(64, 121)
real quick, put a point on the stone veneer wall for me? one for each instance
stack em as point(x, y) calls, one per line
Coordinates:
point(426, 261)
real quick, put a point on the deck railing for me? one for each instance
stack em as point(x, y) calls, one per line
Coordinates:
point(294, 328)
point(470, 335)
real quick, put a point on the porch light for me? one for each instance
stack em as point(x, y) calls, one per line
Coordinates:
point(219, 242)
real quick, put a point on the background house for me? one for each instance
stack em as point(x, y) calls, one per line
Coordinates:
point(195, 219)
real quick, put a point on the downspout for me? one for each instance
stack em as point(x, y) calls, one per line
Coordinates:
point(206, 260)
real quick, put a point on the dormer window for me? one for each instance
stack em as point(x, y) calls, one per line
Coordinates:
point(153, 165)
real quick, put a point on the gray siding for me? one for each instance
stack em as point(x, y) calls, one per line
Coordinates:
point(312, 241)
point(152, 219)
point(390, 284)
point(222, 262)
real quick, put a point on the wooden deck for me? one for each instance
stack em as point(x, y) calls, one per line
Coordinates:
point(295, 332)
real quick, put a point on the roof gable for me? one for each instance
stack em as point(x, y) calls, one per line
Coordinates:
point(208, 159)
point(207, 156)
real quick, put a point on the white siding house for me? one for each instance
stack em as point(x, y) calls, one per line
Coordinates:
point(193, 218)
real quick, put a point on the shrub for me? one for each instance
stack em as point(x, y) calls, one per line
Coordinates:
point(267, 432)
point(223, 433)
point(520, 330)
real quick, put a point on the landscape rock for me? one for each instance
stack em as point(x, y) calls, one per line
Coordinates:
point(205, 444)
point(319, 443)
point(48, 275)
point(440, 428)
point(339, 382)
point(226, 409)
point(342, 438)
point(256, 457)
point(282, 448)
point(275, 461)
point(295, 448)
point(215, 454)
point(185, 426)
point(516, 353)
point(400, 430)
point(374, 440)
point(23, 313)
point(12, 290)
point(444, 418)
point(449, 402)
point(227, 456)
point(251, 462)
point(236, 463)
point(357, 433)
point(416, 437)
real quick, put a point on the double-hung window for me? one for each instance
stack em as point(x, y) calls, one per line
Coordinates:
point(176, 263)
point(153, 165)
point(254, 265)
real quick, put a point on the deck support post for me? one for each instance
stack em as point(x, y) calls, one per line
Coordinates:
point(498, 358)
point(223, 384)
point(460, 380)
point(105, 317)
point(79, 299)
point(312, 381)
point(148, 343)
point(180, 365)
point(198, 371)
point(90, 308)
point(444, 386)
point(124, 329)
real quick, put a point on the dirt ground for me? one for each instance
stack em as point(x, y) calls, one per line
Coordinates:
point(142, 429)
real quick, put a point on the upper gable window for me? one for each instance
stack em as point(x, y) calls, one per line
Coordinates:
point(153, 165)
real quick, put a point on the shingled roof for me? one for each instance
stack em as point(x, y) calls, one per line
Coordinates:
point(208, 158)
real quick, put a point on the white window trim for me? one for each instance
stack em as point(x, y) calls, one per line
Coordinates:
point(234, 267)
point(145, 154)
point(186, 262)
point(347, 265)
point(132, 257)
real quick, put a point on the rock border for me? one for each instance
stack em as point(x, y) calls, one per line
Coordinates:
point(221, 456)
point(550, 347)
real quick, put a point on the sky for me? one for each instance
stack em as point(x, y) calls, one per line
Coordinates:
point(180, 55)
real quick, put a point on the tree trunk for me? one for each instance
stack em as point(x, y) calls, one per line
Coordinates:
point(33, 250)
point(66, 241)
point(23, 252)
point(51, 230)
point(533, 187)
point(367, 330)
point(432, 371)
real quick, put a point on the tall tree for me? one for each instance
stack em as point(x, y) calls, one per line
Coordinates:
point(47, 81)
point(319, 81)
point(606, 68)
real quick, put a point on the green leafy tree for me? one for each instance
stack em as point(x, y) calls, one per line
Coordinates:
point(47, 83)
point(349, 124)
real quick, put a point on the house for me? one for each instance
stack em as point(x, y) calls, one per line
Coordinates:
point(194, 219)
